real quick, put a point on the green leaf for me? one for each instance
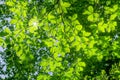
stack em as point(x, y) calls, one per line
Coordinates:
point(24, 13)
point(33, 22)
point(91, 18)
point(80, 68)
point(77, 38)
point(13, 21)
point(1, 41)
point(78, 27)
point(67, 49)
point(67, 28)
point(114, 23)
point(43, 11)
point(91, 44)
point(32, 29)
point(59, 10)
point(115, 7)
point(75, 43)
point(19, 53)
point(74, 17)
point(66, 4)
point(102, 26)
point(100, 57)
point(96, 17)
point(50, 17)
point(107, 10)
point(49, 43)
point(108, 29)
point(86, 34)
point(43, 77)
point(46, 28)
point(53, 21)
point(64, 9)
point(10, 3)
point(78, 47)
point(86, 12)
point(108, 2)
point(7, 30)
point(90, 9)
point(76, 22)
point(117, 55)
point(71, 38)
point(82, 64)
point(55, 55)
point(113, 16)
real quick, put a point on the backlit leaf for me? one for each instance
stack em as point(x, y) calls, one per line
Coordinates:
point(91, 18)
point(66, 4)
point(90, 8)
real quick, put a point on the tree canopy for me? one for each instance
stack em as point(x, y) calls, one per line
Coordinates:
point(60, 39)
